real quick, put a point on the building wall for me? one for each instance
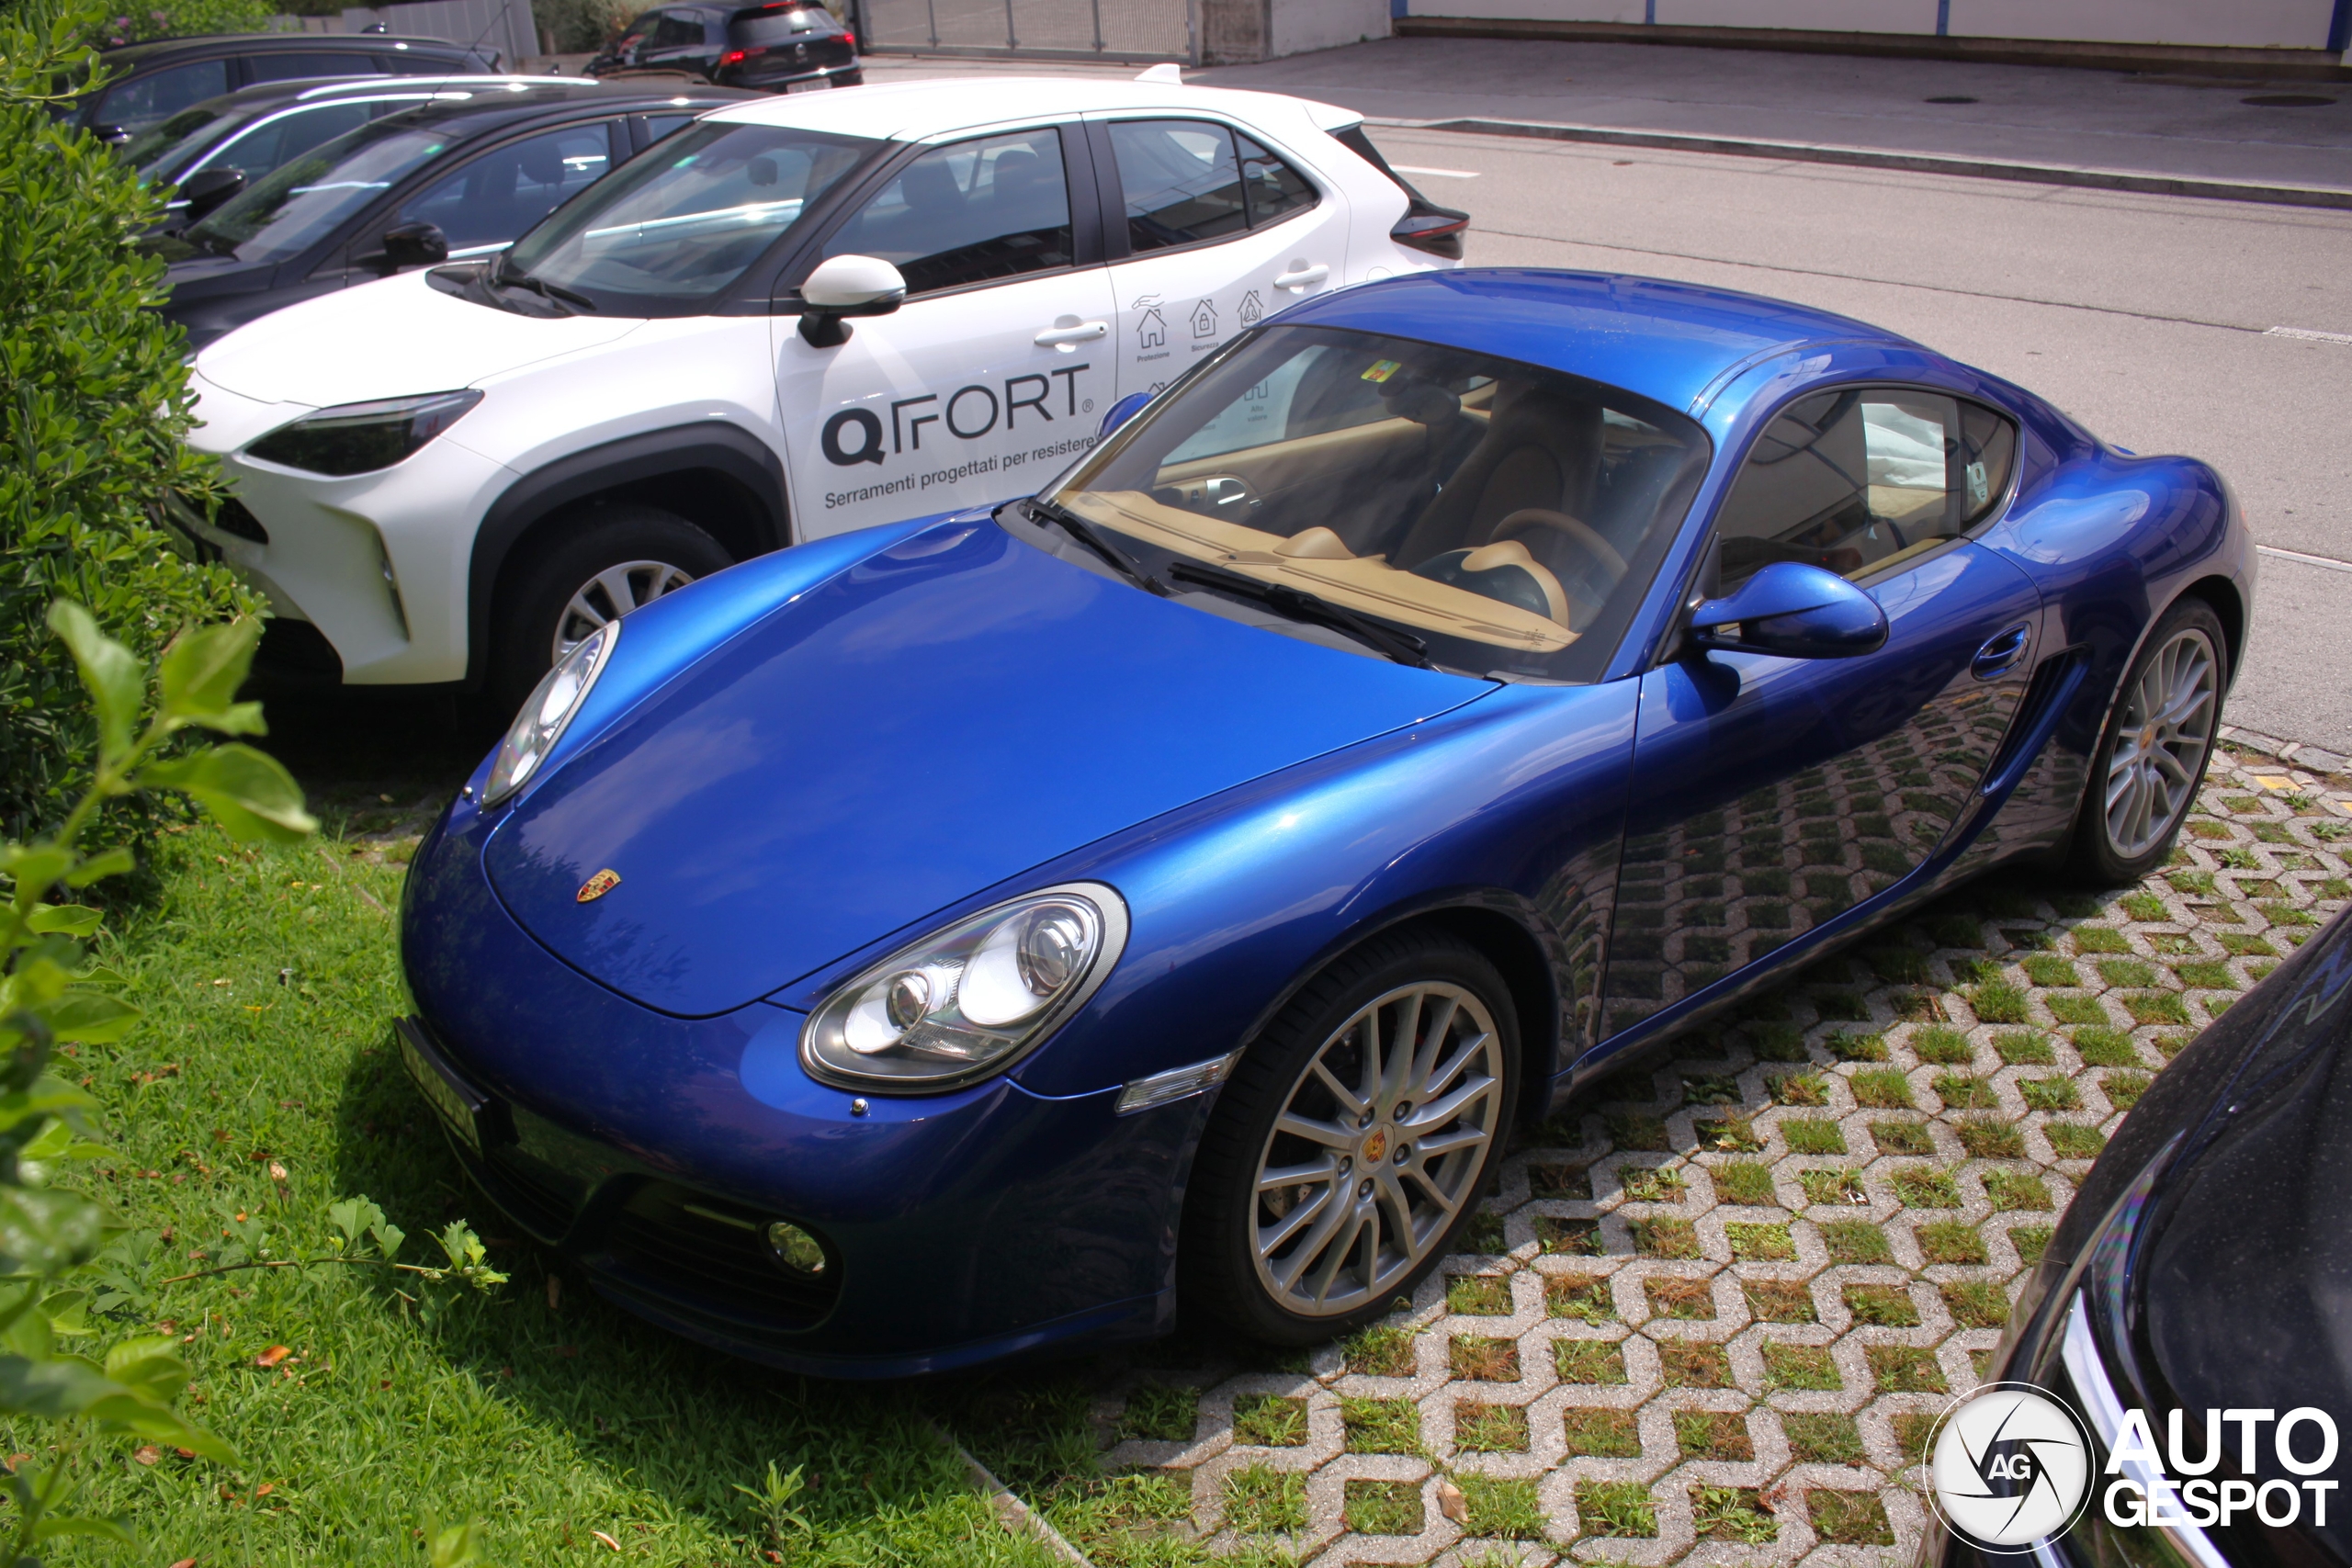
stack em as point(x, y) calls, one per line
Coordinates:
point(1302, 25)
point(2289, 24)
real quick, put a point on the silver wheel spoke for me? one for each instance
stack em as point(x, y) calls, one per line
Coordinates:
point(1269, 1243)
point(1356, 1105)
point(2162, 737)
point(612, 593)
point(1435, 1146)
point(1320, 1132)
point(1272, 1180)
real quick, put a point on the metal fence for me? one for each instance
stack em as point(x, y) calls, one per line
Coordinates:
point(1143, 31)
point(502, 25)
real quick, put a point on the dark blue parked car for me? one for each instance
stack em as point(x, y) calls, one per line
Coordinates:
point(986, 932)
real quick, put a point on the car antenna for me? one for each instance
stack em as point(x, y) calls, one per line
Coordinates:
point(1168, 72)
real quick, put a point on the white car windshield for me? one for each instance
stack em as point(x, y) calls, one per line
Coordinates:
point(1507, 516)
point(299, 204)
point(683, 220)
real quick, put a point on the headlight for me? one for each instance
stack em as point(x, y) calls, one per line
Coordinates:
point(546, 710)
point(971, 999)
point(359, 438)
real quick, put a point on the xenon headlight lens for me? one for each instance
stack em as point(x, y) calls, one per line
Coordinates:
point(359, 438)
point(972, 999)
point(546, 711)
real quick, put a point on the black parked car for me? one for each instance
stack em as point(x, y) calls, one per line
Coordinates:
point(453, 177)
point(215, 149)
point(790, 46)
point(153, 82)
point(2203, 1276)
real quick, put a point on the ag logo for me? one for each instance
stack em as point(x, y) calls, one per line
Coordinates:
point(2010, 1466)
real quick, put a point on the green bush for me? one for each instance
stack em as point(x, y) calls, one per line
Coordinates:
point(94, 401)
point(179, 18)
point(576, 26)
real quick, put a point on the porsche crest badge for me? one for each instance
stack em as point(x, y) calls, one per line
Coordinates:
point(596, 886)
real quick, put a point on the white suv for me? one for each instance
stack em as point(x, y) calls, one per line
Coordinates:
point(452, 476)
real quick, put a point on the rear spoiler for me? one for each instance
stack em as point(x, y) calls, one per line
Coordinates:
point(1425, 226)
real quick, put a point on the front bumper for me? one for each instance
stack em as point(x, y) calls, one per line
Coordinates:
point(651, 1151)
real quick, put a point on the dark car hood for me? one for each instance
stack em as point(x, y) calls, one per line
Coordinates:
point(940, 717)
point(2246, 1285)
point(207, 277)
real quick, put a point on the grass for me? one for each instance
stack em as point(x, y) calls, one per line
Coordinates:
point(1849, 1518)
point(1989, 1137)
point(1966, 1091)
point(2049, 1093)
point(1678, 1298)
point(2072, 1140)
point(1912, 1429)
point(1585, 1296)
point(1495, 1508)
point(1849, 1046)
point(1800, 1367)
point(2016, 1190)
point(1383, 1350)
point(1778, 1300)
point(2092, 939)
point(1381, 1426)
point(1745, 1182)
point(1688, 1363)
point(2124, 1089)
point(1976, 1304)
point(1646, 1185)
point(1902, 1137)
point(2027, 1047)
point(1809, 1136)
point(1483, 1358)
point(1822, 1438)
point(547, 1425)
point(2031, 1242)
point(1269, 1420)
point(1998, 1001)
point(1881, 1088)
point(1569, 1238)
point(1260, 1500)
point(1559, 1181)
point(1160, 1415)
point(1800, 1089)
point(1667, 1236)
point(1881, 1307)
point(1756, 1243)
point(1601, 1434)
point(1832, 1186)
point(1951, 1241)
point(1925, 1187)
point(1479, 1427)
point(1478, 1295)
point(1906, 1369)
point(2106, 1048)
point(1943, 1046)
point(1855, 1241)
point(1588, 1361)
point(1384, 1508)
point(1616, 1509)
point(2075, 1010)
point(1731, 1513)
point(1712, 1434)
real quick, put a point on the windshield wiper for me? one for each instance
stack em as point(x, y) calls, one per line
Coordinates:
point(1078, 528)
point(510, 276)
point(1300, 605)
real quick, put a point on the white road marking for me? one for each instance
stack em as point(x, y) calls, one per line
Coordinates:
point(2307, 333)
point(2328, 561)
point(1469, 175)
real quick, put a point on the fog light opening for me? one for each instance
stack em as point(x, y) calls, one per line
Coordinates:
point(797, 1249)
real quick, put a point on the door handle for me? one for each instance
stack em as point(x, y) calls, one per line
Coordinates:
point(1302, 276)
point(1069, 337)
point(1998, 657)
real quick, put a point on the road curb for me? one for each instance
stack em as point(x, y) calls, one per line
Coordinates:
point(2295, 753)
point(1017, 1517)
point(1911, 162)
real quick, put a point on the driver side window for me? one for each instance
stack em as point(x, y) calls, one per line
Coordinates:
point(997, 206)
point(1859, 481)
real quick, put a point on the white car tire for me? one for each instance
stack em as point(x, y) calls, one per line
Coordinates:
point(619, 558)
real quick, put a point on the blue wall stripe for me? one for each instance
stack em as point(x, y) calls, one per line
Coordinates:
point(1943, 17)
point(1649, 10)
point(2339, 26)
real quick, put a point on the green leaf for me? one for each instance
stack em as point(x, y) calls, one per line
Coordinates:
point(68, 1311)
point(46, 1232)
point(112, 673)
point(150, 1366)
point(249, 792)
point(201, 671)
point(356, 1217)
point(91, 1017)
point(460, 1546)
point(112, 1529)
point(116, 862)
point(36, 868)
point(72, 920)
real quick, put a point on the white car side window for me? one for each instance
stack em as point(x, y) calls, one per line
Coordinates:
point(1260, 415)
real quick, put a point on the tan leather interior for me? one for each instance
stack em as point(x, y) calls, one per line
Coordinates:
point(1368, 584)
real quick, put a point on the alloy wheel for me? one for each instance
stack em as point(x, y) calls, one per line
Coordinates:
point(610, 595)
point(2160, 744)
point(1376, 1149)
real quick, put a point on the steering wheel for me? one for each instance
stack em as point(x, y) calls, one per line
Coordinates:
point(1537, 521)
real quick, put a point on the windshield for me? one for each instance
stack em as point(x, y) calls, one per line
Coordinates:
point(150, 150)
point(1509, 515)
point(683, 220)
point(299, 204)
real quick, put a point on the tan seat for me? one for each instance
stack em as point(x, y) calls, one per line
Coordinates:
point(1541, 452)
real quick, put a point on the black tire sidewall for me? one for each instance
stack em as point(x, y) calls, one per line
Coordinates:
point(2096, 860)
point(540, 587)
point(1216, 1273)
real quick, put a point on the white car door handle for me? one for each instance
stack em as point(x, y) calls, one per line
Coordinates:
point(1064, 337)
point(1301, 277)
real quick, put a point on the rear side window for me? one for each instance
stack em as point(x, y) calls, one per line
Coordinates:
point(1274, 189)
point(970, 212)
point(510, 188)
point(782, 24)
point(1860, 481)
point(677, 29)
point(1180, 182)
point(325, 63)
point(144, 100)
point(408, 63)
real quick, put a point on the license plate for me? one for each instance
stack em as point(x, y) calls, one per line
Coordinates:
point(459, 1103)
point(819, 86)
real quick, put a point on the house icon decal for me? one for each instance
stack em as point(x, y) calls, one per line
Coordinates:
point(1151, 328)
point(1205, 320)
point(1252, 310)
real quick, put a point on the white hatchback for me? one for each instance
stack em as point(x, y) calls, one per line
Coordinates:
point(451, 475)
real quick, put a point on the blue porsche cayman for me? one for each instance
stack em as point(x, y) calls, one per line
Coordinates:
point(989, 932)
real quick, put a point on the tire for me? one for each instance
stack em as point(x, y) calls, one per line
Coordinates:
point(1311, 1284)
point(575, 582)
point(2147, 769)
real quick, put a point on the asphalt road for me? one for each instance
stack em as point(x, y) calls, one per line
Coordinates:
point(2153, 320)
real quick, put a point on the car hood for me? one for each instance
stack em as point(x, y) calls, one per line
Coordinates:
point(2247, 1279)
point(915, 731)
point(392, 339)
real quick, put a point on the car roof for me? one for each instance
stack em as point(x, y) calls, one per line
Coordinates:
point(543, 97)
point(911, 111)
point(279, 43)
point(1669, 342)
point(265, 95)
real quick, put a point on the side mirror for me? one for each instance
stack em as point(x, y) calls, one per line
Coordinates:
point(1794, 611)
point(208, 189)
point(1125, 409)
point(847, 285)
point(415, 244)
point(112, 135)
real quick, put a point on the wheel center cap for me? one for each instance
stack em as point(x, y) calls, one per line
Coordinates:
point(1376, 1148)
point(2148, 738)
